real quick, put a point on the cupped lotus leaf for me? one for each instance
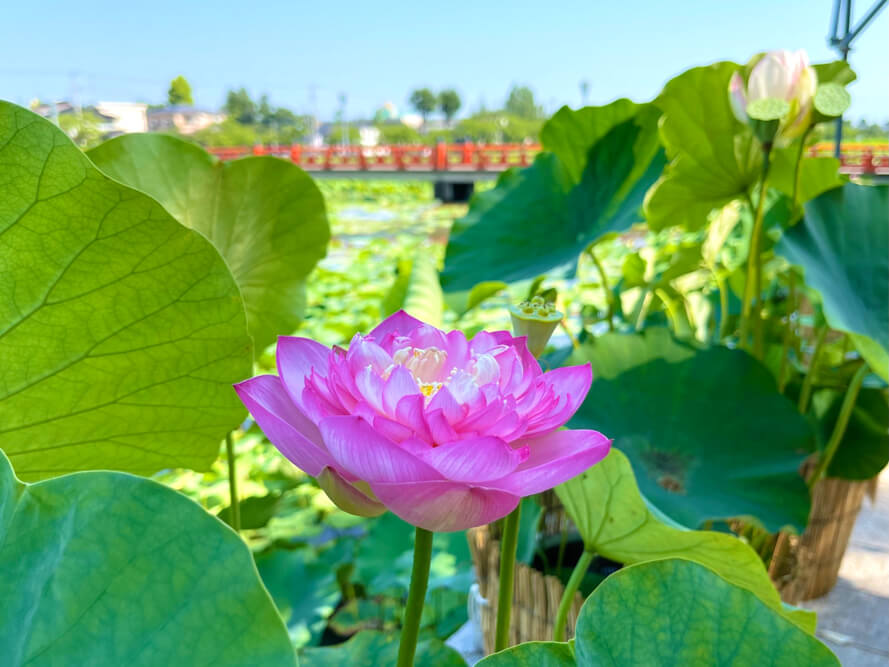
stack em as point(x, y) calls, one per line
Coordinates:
point(590, 181)
point(121, 330)
point(842, 244)
point(266, 217)
point(105, 568)
point(831, 100)
point(708, 435)
point(674, 612)
point(370, 647)
point(614, 521)
point(533, 654)
point(864, 450)
point(686, 612)
point(713, 157)
point(838, 71)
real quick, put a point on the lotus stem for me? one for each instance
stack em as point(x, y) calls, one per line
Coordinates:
point(788, 332)
point(723, 302)
point(410, 629)
point(806, 392)
point(839, 429)
point(753, 284)
point(799, 161)
point(568, 596)
point(234, 503)
point(508, 545)
point(609, 295)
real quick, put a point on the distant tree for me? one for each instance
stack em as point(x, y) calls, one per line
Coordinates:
point(398, 133)
point(424, 101)
point(521, 103)
point(339, 134)
point(240, 107)
point(180, 92)
point(497, 126)
point(265, 115)
point(449, 103)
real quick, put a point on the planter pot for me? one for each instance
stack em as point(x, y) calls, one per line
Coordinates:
point(536, 596)
point(812, 562)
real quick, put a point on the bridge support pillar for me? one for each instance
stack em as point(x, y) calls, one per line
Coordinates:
point(450, 193)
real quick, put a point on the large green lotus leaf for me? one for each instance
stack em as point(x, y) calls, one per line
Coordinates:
point(817, 174)
point(864, 450)
point(265, 216)
point(674, 612)
point(121, 331)
point(533, 654)
point(842, 244)
point(713, 158)
point(105, 568)
point(706, 431)
point(590, 182)
point(370, 647)
point(615, 521)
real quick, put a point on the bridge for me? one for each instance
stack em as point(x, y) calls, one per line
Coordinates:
point(460, 165)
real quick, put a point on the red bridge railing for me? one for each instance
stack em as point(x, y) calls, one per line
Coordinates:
point(441, 157)
point(856, 159)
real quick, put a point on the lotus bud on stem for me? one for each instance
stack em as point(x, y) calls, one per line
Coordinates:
point(535, 319)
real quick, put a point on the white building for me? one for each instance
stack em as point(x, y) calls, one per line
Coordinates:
point(126, 117)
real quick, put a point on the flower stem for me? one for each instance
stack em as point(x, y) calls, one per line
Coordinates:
point(609, 295)
point(799, 161)
point(234, 503)
point(753, 284)
point(839, 429)
point(416, 596)
point(568, 597)
point(508, 546)
point(788, 333)
point(806, 392)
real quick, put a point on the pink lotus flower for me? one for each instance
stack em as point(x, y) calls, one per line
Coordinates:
point(445, 432)
point(783, 75)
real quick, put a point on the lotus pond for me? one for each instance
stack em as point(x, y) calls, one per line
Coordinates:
point(701, 347)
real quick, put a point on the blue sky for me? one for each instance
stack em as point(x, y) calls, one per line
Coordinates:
point(379, 51)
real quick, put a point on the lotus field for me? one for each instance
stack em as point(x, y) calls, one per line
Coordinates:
point(249, 418)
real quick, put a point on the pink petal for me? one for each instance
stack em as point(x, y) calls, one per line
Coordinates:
point(363, 353)
point(443, 506)
point(475, 459)
point(347, 497)
point(363, 452)
point(553, 459)
point(427, 335)
point(457, 348)
point(571, 385)
point(410, 411)
point(282, 422)
point(398, 324)
point(444, 400)
point(400, 384)
point(296, 357)
point(440, 428)
point(370, 388)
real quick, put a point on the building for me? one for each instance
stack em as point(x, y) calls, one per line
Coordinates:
point(125, 117)
point(183, 119)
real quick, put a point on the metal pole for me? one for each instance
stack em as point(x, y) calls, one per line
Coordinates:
point(844, 49)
